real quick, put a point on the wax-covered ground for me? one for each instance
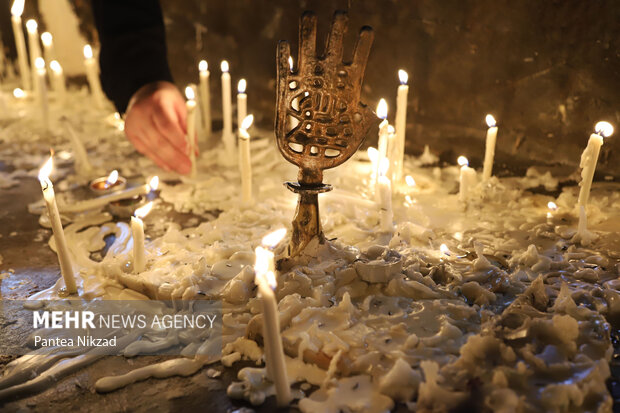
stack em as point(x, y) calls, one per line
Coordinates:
point(513, 315)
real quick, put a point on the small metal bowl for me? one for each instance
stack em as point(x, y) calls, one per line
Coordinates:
point(100, 186)
point(125, 208)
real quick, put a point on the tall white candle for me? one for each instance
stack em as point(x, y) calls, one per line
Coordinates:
point(382, 112)
point(82, 163)
point(245, 159)
point(34, 48)
point(266, 281)
point(589, 158)
point(467, 179)
point(47, 40)
point(227, 133)
point(92, 75)
point(20, 44)
point(137, 230)
point(191, 128)
point(42, 90)
point(205, 97)
point(384, 191)
point(401, 124)
point(242, 102)
point(113, 197)
point(58, 81)
point(64, 259)
point(489, 153)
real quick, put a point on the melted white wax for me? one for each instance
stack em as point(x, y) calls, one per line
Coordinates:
point(370, 319)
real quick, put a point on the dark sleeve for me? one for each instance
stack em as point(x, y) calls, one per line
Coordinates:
point(133, 47)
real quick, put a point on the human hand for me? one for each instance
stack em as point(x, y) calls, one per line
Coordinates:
point(156, 125)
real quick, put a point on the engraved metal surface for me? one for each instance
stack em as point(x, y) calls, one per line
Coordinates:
point(320, 121)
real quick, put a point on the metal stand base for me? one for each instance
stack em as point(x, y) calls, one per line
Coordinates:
point(307, 222)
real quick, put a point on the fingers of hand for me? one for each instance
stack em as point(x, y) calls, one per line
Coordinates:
point(307, 39)
point(166, 151)
point(335, 41)
point(167, 124)
point(142, 146)
point(362, 50)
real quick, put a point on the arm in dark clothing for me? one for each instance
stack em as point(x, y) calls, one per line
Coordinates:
point(133, 47)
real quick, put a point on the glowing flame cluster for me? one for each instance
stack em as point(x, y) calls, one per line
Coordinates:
point(382, 109)
point(189, 93)
point(241, 86)
point(143, 210)
point(605, 129)
point(247, 122)
point(88, 52)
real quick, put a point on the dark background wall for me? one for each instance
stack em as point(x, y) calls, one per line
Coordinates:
point(548, 70)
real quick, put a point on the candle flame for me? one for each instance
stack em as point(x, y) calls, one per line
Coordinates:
point(382, 109)
point(224, 66)
point(290, 63)
point(384, 166)
point(273, 238)
point(18, 8)
point(19, 93)
point(409, 180)
point(189, 93)
point(444, 249)
point(403, 77)
point(143, 210)
point(241, 86)
point(55, 66)
point(31, 26)
point(39, 63)
point(552, 206)
point(88, 52)
point(203, 66)
point(391, 130)
point(490, 120)
point(247, 122)
point(47, 167)
point(462, 160)
point(154, 183)
point(604, 129)
point(373, 154)
point(112, 178)
point(46, 39)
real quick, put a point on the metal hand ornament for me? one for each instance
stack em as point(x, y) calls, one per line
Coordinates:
point(320, 122)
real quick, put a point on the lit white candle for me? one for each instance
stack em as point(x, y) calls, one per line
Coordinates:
point(489, 153)
point(242, 102)
point(589, 158)
point(47, 40)
point(42, 90)
point(92, 75)
point(227, 133)
point(137, 230)
point(266, 281)
point(245, 159)
point(34, 48)
point(467, 178)
point(20, 43)
point(401, 124)
point(384, 191)
point(205, 97)
point(113, 197)
point(66, 268)
point(58, 80)
point(382, 112)
point(191, 128)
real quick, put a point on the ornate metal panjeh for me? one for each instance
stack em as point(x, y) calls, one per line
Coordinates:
point(320, 122)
